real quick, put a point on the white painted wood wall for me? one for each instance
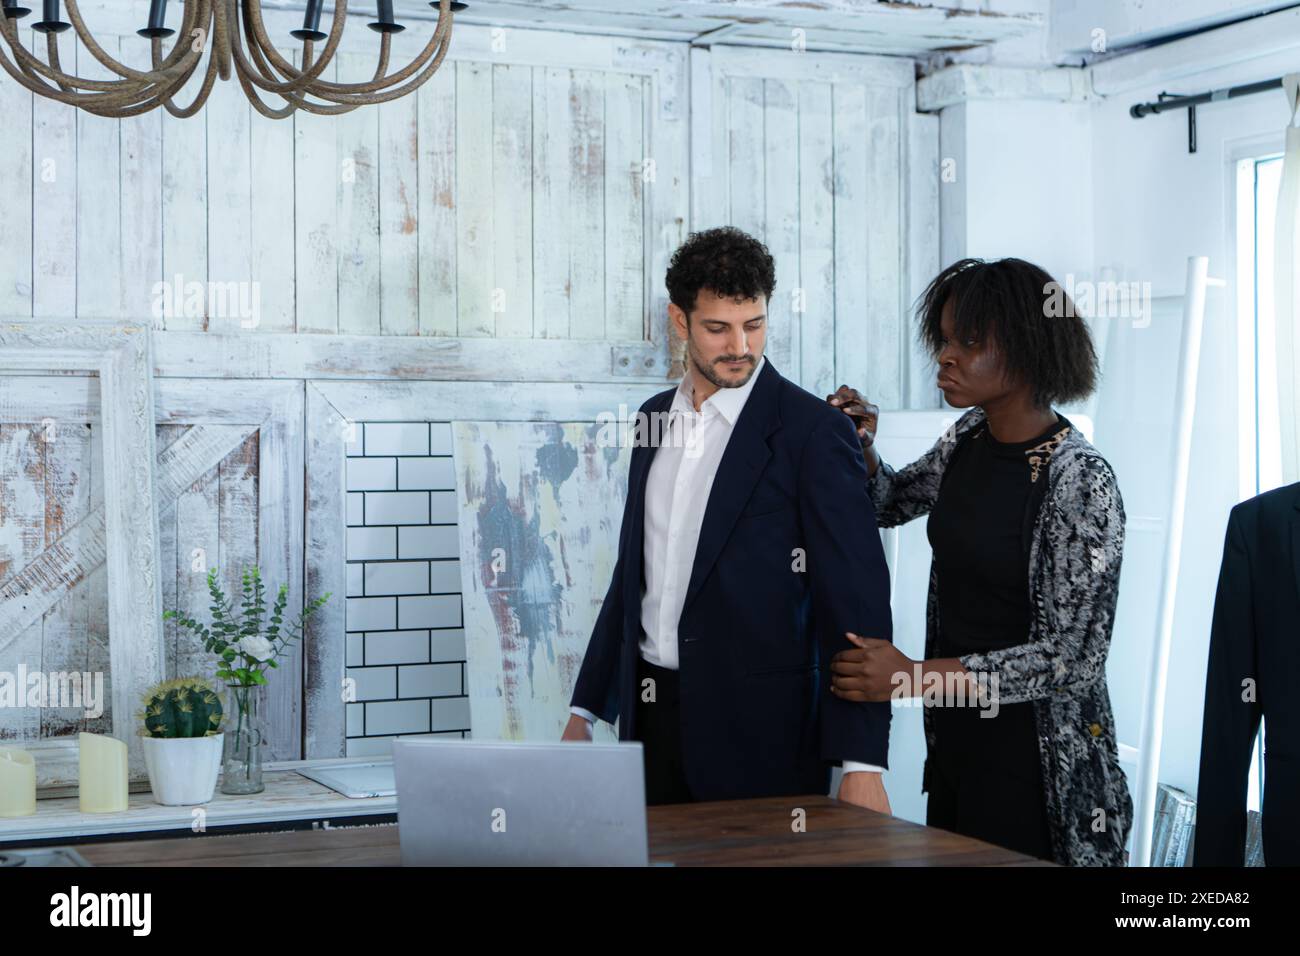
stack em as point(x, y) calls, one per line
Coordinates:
point(511, 223)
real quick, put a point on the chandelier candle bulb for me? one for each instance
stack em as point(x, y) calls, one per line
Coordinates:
point(310, 23)
point(102, 774)
point(386, 23)
point(17, 783)
point(13, 11)
point(157, 21)
point(51, 22)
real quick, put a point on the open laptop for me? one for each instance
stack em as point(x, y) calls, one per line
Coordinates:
point(507, 803)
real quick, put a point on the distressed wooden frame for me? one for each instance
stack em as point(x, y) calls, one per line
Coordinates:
point(222, 414)
point(332, 409)
point(274, 410)
point(119, 353)
point(397, 358)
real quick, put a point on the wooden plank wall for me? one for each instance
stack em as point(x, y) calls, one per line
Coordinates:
point(532, 190)
point(809, 153)
point(503, 199)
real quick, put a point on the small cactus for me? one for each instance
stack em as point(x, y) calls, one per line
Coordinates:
point(185, 707)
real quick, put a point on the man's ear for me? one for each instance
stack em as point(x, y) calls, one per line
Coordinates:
point(679, 321)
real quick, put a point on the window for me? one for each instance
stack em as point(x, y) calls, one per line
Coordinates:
point(1258, 181)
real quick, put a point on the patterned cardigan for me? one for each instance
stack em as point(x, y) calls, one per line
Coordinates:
point(1074, 562)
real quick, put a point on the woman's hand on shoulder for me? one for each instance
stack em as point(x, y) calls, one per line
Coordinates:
point(865, 417)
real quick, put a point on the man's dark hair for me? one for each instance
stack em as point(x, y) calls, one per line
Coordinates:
point(1026, 314)
point(730, 262)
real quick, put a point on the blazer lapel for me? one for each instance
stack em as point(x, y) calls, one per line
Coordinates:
point(638, 475)
point(742, 463)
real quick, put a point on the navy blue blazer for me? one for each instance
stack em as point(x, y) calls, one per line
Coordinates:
point(761, 618)
point(1253, 636)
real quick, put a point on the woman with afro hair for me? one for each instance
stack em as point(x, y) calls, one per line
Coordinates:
point(1026, 524)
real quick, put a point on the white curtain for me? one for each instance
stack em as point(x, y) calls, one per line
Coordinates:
point(1286, 299)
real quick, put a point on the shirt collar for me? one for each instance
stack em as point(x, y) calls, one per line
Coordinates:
point(728, 402)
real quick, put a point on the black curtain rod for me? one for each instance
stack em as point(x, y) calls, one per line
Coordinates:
point(1169, 101)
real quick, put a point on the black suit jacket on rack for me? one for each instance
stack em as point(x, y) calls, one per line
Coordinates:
point(756, 635)
point(1254, 641)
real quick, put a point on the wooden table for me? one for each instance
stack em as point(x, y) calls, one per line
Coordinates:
point(729, 833)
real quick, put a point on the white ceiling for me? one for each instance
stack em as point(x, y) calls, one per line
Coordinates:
point(1132, 23)
point(862, 26)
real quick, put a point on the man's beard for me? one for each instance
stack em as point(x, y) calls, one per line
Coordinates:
point(706, 369)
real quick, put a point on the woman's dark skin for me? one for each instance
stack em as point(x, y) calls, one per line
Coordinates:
point(970, 373)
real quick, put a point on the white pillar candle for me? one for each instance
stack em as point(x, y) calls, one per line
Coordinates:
point(103, 774)
point(17, 783)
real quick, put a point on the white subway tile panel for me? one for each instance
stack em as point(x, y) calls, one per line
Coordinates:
point(401, 717)
point(451, 713)
point(442, 507)
point(404, 616)
point(372, 474)
point(448, 645)
point(372, 614)
point(433, 541)
point(439, 610)
point(397, 507)
point(372, 544)
point(444, 577)
point(396, 577)
point(430, 473)
point(428, 680)
point(398, 647)
point(440, 438)
point(374, 683)
point(370, 747)
point(397, 438)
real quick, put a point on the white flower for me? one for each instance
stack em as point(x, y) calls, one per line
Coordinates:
point(256, 647)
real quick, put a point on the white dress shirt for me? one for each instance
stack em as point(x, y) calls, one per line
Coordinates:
point(677, 492)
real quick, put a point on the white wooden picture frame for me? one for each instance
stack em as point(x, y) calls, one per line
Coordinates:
point(222, 414)
point(125, 531)
point(333, 410)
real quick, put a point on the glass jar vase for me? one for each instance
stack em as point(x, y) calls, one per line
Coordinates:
point(241, 760)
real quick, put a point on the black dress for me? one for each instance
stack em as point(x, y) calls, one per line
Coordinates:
point(983, 775)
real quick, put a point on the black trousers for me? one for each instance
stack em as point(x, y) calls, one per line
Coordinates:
point(658, 727)
point(985, 779)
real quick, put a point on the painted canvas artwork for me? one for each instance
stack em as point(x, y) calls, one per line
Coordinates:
point(540, 511)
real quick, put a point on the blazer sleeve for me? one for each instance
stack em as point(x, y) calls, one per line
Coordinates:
point(1082, 556)
point(1232, 711)
point(596, 689)
point(849, 581)
point(900, 496)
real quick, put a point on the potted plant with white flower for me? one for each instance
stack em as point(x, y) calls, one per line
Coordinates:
point(181, 727)
point(246, 648)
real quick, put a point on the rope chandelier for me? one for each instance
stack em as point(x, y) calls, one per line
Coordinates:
point(215, 27)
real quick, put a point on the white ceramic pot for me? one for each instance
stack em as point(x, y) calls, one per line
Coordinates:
point(183, 771)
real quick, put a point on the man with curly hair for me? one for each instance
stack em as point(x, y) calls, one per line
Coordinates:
point(748, 552)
